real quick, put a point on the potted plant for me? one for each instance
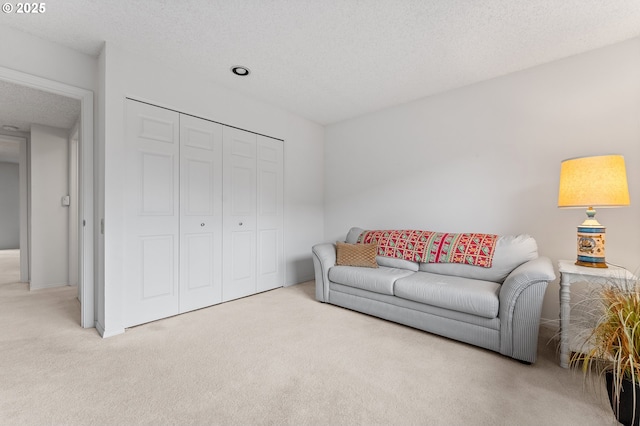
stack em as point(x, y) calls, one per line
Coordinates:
point(613, 347)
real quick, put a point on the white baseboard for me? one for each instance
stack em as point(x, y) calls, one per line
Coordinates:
point(40, 286)
point(301, 280)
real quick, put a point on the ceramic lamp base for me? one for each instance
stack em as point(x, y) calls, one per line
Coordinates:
point(590, 247)
point(592, 264)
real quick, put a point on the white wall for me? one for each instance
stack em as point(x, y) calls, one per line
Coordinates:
point(127, 75)
point(32, 55)
point(49, 236)
point(486, 158)
point(9, 206)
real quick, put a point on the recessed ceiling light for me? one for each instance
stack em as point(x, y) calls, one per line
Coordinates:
point(10, 128)
point(240, 70)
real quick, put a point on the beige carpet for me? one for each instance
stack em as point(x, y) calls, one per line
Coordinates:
point(276, 358)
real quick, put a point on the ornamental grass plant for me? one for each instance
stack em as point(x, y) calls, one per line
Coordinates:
point(613, 345)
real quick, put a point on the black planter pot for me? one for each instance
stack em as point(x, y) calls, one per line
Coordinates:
point(625, 411)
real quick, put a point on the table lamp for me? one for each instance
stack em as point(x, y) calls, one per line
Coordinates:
point(587, 182)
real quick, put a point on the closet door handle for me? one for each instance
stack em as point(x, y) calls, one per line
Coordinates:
point(240, 224)
point(202, 224)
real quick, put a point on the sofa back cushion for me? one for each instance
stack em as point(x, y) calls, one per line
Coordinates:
point(353, 234)
point(511, 251)
point(389, 262)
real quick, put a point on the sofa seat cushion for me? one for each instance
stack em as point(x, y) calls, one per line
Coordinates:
point(460, 294)
point(378, 280)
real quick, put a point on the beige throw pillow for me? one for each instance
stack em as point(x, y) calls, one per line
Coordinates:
point(356, 254)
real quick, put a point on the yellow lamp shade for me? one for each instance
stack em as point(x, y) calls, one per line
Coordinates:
point(593, 181)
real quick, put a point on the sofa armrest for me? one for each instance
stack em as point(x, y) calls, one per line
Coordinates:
point(521, 297)
point(324, 257)
point(539, 269)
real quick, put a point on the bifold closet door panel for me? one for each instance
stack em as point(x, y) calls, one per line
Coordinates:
point(151, 224)
point(200, 213)
point(239, 214)
point(203, 213)
point(270, 215)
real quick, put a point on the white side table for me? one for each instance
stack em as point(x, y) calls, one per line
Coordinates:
point(572, 273)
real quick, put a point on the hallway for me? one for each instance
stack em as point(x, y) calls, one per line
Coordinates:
point(9, 266)
point(49, 309)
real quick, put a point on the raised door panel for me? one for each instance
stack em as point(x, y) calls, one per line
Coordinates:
point(239, 214)
point(197, 252)
point(157, 266)
point(270, 214)
point(151, 219)
point(200, 213)
point(158, 181)
point(242, 243)
point(198, 195)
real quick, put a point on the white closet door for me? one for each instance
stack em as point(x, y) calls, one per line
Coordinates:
point(151, 213)
point(200, 213)
point(239, 214)
point(270, 216)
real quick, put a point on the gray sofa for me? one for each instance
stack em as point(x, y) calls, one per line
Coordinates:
point(496, 308)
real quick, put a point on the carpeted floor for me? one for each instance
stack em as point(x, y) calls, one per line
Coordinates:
point(275, 358)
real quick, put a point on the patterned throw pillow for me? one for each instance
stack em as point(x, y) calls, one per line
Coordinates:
point(356, 254)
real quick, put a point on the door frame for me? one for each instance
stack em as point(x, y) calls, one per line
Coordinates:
point(74, 217)
point(86, 229)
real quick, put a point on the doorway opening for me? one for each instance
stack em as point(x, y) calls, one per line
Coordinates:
point(84, 226)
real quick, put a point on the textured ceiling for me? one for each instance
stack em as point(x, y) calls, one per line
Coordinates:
point(21, 106)
point(335, 59)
